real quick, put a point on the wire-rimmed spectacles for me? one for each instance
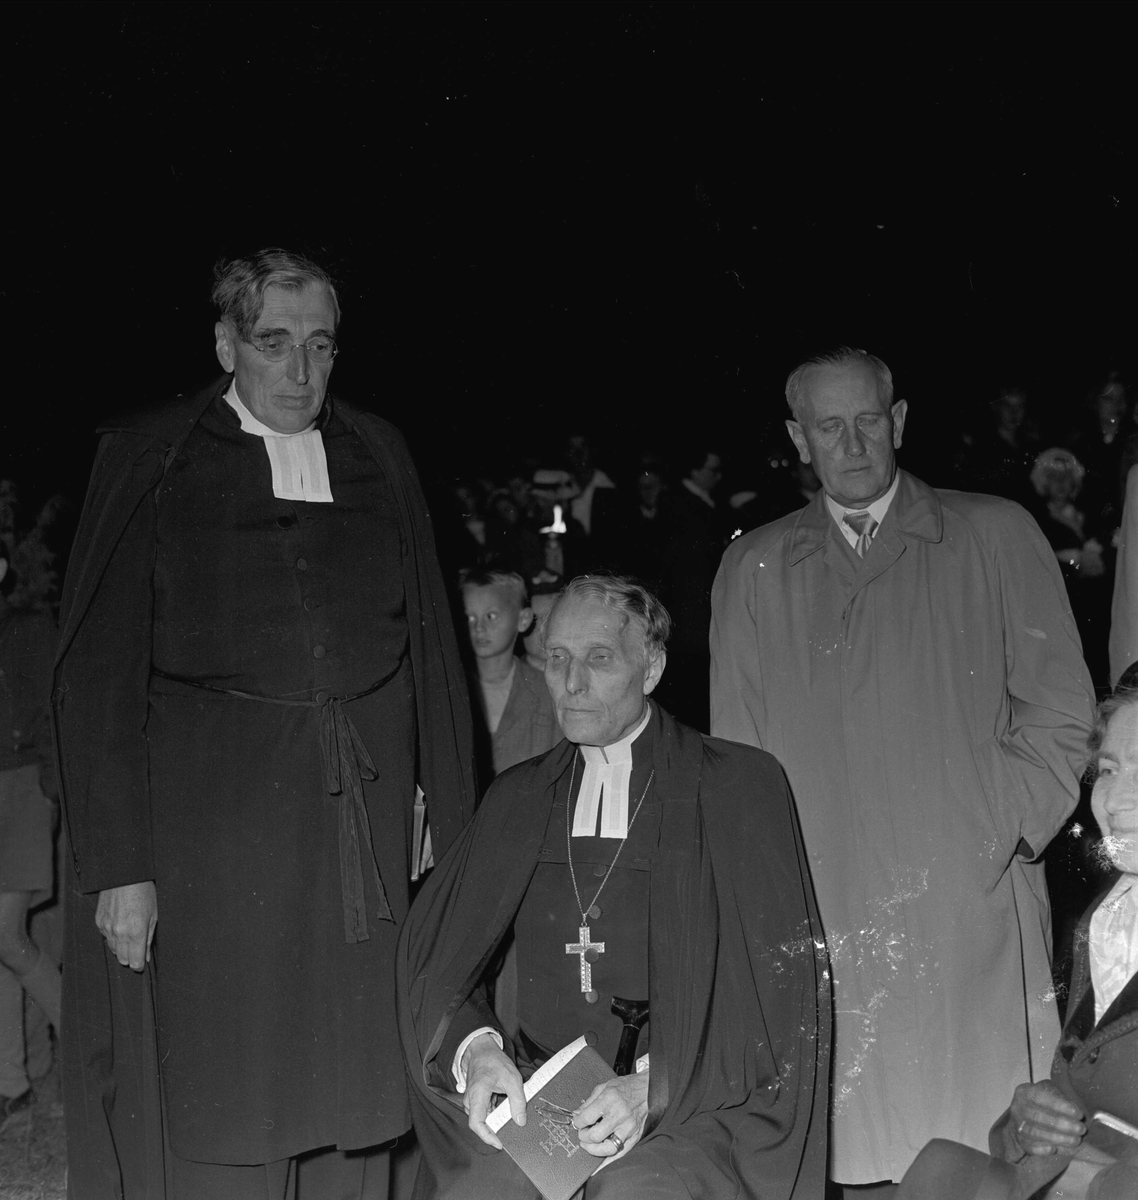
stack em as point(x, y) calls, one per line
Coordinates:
point(277, 347)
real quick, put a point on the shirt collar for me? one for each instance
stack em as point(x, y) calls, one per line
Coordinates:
point(876, 510)
point(618, 751)
point(249, 423)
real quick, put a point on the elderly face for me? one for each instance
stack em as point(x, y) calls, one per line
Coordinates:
point(1114, 800)
point(595, 671)
point(286, 396)
point(847, 432)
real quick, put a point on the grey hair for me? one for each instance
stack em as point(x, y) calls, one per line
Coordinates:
point(239, 284)
point(1125, 695)
point(841, 357)
point(636, 605)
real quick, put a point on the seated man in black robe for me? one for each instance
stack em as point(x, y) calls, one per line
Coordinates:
point(637, 859)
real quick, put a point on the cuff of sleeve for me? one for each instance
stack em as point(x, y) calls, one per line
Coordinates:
point(642, 1064)
point(456, 1066)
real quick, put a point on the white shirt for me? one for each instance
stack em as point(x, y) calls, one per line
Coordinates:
point(876, 510)
point(1114, 943)
point(300, 467)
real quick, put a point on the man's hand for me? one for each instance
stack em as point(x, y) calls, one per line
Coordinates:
point(489, 1072)
point(126, 917)
point(619, 1106)
point(1044, 1121)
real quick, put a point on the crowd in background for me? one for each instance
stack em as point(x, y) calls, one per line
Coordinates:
point(666, 518)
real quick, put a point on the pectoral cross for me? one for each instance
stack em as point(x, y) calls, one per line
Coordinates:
point(589, 952)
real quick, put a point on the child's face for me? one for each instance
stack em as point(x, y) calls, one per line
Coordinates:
point(494, 619)
point(534, 640)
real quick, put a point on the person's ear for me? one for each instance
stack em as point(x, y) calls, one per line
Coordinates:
point(525, 619)
point(799, 440)
point(900, 409)
point(224, 346)
point(655, 670)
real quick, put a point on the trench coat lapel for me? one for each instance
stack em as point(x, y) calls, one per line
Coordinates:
point(914, 515)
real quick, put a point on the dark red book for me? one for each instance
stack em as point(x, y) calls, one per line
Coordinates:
point(547, 1147)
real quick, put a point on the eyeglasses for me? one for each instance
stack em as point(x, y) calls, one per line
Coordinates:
point(276, 348)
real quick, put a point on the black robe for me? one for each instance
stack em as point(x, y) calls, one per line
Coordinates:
point(120, 732)
point(740, 997)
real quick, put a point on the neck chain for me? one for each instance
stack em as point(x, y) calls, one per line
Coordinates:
point(585, 948)
point(569, 841)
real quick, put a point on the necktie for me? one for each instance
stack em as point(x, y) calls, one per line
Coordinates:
point(865, 527)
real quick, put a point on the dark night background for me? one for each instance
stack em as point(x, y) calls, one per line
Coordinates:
point(618, 217)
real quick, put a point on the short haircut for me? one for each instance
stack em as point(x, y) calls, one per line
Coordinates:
point(239, 285)
point(494, 577)
point(843, 356)
point(636, 605)
point(1124, 695)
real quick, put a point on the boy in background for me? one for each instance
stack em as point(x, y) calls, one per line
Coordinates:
point(540, 601)
point(515, 702)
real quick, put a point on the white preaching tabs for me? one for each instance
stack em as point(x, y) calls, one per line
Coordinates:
point(300, 468)
point(607, 772)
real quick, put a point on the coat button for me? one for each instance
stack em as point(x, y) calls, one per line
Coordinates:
point(302, 564)
point(599, 870)
point(595, 912)
point(318, 651)
point(321, 697)
point(592, 997)
point(311, 605)
point(286, 521)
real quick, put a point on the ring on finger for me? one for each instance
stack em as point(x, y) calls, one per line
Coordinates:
point(617, 1141)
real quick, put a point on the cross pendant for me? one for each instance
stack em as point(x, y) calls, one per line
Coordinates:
point(589, 952)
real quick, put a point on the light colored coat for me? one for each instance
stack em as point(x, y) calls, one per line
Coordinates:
point(930, 705)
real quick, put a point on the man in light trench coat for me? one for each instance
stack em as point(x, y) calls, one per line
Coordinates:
point(909, 656)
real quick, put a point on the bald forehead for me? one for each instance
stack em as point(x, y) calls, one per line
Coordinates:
point(856, 383)
point(572, 613)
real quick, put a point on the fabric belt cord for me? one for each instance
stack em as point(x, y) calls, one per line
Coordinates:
point(346, 763)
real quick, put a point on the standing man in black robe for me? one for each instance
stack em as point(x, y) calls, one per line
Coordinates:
point(641, 860)
point(256, 669)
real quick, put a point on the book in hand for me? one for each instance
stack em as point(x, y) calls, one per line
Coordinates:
point(546, 1147)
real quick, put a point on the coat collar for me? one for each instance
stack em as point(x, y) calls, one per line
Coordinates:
point(915, 513)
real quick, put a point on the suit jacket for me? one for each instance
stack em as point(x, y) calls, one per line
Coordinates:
point(529, 724)
point(1096, 1063)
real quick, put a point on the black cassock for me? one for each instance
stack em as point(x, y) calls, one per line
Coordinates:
point(738, 986)
point(255, 653)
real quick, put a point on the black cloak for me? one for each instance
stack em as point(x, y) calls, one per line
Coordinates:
point(740, 992)
point(117, 1138)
